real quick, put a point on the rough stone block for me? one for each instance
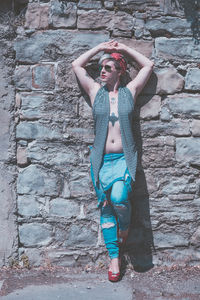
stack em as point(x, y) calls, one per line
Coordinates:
point(83, 236)
point(53, 153)
point(63, 208)
point(44, 77)
point(63, 14)
point(150, 109)
point(31, 105)
point(169, 240)
point(35, 256)
point(23, 78)
point(94, 19)
point(188, 150)
point(184, 105)
point(177, 49)
point(37, 16)
point(178, 185)
point(28, 206)
point(34, 130)
point(22, 156)
point(51, 45)
point(122, 24)
point(61, 257)
point(144, 47)
point(196, 127)
point(169, 81)
point(8, 224)
point(172, 25)
point(157, 154)
point(79, 184)
point(35, 234)
point(88, 4)
point(4, 133)
point(192, 79)
point(109, 4)
point(175, 128)
point(38, 181)
point(195, 238)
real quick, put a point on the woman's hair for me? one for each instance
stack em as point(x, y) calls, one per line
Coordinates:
point(118, 59)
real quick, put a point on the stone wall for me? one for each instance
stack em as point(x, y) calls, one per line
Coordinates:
point(57, 218)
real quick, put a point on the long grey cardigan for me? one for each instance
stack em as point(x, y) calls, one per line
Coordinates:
point(101, 112)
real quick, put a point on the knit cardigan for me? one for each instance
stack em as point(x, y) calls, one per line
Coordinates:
point(101, 112)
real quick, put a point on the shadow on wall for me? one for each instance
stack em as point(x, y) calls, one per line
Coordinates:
point(140, 242)
point(191, 10)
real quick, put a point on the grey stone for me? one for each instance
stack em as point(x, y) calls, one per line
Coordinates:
point(62, 258)
point(192, 79)
point(184, 105)
point(188, 150)
point(35, 130)
point(165, 114)
point(83, 238)
point(63, 208)
point(109, 4)
point(5, 120)
point(38, 181)
point(31, 105)
point(175, 128)
point(177, 49)
point(94, 19)
point(51, 45)
point(122, 24)
point(178, 185)
point(63, 15)
point(151, 109)
point(52, 154)
point(79, 183)
point(35, 234)
point(23, 77)
point(196, 127)
point(43, 77)
point(169, 81)
point(195, 238)
point(8, 225)
point(28, 206)
point(87, 4)
point(35, 256)
point(169, 240)
point(174, 26)
point(22, 156)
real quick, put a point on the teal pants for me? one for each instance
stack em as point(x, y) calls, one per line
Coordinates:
point(115, 215)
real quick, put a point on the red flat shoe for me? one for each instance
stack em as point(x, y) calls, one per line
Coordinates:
point(114, 277)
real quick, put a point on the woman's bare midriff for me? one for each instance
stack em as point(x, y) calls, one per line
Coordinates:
point(113, 141)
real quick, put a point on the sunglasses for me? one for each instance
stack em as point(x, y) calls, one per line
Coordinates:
point(106, 67)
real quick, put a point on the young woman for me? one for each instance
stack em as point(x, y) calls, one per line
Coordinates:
point(114, 154)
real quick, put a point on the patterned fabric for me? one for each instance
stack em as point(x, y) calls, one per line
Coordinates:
point(101, 113)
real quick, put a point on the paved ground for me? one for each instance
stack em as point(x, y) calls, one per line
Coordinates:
point(79, 284)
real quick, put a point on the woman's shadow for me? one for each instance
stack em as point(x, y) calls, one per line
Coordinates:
point(140, 245)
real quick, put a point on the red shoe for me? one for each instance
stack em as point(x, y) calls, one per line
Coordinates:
point(114, 277)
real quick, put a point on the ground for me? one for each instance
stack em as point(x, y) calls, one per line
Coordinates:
point(44, 283)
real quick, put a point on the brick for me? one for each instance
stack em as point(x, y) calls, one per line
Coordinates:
point(43, 77)
point(37, 16)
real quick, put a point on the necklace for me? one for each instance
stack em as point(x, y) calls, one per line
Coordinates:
point(112, 100)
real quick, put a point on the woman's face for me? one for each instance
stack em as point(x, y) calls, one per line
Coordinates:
point(108, 71)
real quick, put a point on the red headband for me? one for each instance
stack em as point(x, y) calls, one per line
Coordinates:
point(119, 58)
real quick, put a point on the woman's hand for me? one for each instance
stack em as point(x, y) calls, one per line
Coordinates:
point(111, 46)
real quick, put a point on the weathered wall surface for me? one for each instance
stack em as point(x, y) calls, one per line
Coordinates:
point(8, 171)
point(56, 206)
